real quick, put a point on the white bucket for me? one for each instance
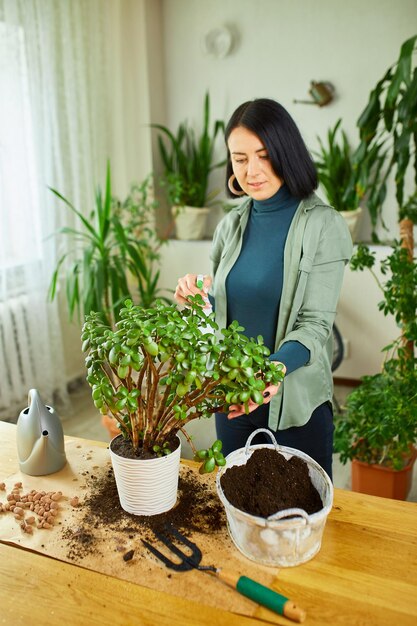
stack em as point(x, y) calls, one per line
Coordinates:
point(147, 486)
point(274, 540)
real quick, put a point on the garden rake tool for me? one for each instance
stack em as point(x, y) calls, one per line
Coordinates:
point(244, 585)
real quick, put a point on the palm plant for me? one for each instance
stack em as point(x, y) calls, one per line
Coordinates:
point(115, 246)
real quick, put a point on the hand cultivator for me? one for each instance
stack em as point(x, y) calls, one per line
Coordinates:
point(246, 586)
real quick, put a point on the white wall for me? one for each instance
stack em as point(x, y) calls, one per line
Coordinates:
point(282, 46)
point(127, 63)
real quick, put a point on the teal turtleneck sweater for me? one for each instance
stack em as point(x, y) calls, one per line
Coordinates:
point(254, 284)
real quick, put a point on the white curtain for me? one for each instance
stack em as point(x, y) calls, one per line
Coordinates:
point(57, 128)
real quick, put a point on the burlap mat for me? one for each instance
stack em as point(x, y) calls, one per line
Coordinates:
point(103, 548)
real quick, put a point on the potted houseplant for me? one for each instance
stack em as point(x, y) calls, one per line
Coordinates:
point(378, 427)
point(113, 255)
point(188, 160)
point(157, 370)
point(336, 169)
point(377, 431)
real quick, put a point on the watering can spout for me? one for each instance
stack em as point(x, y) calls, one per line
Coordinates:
point(39, 438)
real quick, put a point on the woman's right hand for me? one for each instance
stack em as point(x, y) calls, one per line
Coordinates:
point(187, 286)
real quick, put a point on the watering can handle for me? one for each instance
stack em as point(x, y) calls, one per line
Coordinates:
point(261, 430)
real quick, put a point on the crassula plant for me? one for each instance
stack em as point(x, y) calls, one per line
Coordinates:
point(161, 367)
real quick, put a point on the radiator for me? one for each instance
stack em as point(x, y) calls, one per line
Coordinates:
point(18, 345)
point(31, 354)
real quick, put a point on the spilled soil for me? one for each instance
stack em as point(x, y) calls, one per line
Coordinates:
point(198, 509)
point(266, 484)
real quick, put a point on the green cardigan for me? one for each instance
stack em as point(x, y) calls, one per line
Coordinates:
point(317, 248)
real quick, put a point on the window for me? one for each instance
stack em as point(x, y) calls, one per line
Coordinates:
point(20, 233)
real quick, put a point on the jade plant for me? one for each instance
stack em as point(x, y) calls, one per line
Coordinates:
point(161, 367)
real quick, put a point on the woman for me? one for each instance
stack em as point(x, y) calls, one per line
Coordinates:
point(278, 264)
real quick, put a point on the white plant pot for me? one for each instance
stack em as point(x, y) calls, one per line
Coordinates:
point(277, 541)
point(353, 219)
point(190, 222)
point(147, 486)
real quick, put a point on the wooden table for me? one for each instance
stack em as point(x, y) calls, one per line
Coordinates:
point(364, 574)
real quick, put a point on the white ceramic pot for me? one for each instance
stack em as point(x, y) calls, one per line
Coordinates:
point(277, 541)
point(353, 220)
point(190, 222)
point(147, 486)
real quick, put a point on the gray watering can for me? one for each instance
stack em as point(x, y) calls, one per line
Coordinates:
point(40, 438)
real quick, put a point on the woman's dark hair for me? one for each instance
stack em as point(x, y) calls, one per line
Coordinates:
point(286, 149)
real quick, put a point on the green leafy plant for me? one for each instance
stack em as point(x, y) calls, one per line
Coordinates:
point(114, 253)
point(399, 292)
point(379, 421)
point(159, 369)
point(388, 136)
point(334, 162)
point(379, 424)
point(348, 183)
point(188, 161)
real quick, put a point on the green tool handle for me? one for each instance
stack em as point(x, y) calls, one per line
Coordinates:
point(263, 595)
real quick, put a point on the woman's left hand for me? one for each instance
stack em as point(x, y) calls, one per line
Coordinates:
point(239, 409)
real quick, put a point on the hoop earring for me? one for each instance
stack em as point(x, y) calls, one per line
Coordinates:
point(231, 187)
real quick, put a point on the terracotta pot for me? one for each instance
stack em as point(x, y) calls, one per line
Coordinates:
point(111, 426)
point(377, 480)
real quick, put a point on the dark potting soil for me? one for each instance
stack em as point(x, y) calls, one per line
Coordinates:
point(268, 483)
point(198, 509)
point(123, 447)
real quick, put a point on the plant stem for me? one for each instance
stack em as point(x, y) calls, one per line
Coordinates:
point(189, 440)
point(378, 282)
point(154, 388)
point(162, 402)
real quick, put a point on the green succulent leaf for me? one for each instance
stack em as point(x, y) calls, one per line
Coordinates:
point(217, 446)
point(208, 466)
